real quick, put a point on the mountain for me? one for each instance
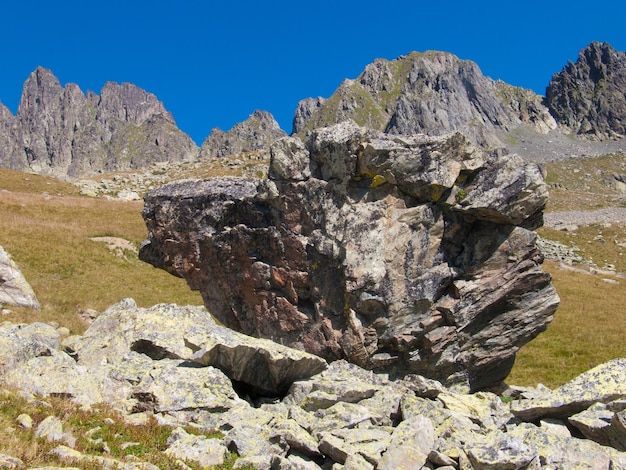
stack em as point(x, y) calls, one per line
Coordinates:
point(589, 97)
point(254, 134)
point(431, 93)
point(60, 131)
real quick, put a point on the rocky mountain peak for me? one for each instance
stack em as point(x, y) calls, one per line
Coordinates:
point(42, 90)
point(40, 86)
point(304, 111)
point(130, 103)
point(60, 131)
point(254, 134)
point(588, 96)
point(430, 93)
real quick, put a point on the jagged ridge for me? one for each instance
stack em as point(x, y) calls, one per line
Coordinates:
point(431, 93)
point(254, 134)
point(63, 132)
point(589, 97)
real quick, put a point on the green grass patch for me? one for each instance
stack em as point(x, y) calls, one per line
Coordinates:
point(100, 431)
point(604, 244)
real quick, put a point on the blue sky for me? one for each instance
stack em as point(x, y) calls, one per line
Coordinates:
point(212, 63)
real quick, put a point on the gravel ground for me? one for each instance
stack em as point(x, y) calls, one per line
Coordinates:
point(557, 146)
point(608, 215)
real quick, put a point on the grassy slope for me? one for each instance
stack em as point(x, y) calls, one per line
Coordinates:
point(48, 236)
point(46, 227)
point(90, 428)
point(590, 324)
point(588, 329)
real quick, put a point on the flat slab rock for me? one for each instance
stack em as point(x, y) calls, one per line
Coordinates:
point(602, 384)
point(191, 334)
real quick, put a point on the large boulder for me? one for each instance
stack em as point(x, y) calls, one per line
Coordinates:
point(403, 254)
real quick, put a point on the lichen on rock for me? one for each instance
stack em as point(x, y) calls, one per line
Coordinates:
point(398, 276)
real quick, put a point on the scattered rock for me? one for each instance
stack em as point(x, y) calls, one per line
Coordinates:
point(602, 384)
point(24, 421)
point(51, 429)
point(6, 461)
point(345, 415)
point(199, 449)
point(118, 246)
point(556, 251)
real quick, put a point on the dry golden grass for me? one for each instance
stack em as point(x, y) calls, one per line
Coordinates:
point(49, 237)
point(588, 329)
point(590, 324)
point(29, 183)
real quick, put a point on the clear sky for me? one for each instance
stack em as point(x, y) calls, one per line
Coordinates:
point(212, 63)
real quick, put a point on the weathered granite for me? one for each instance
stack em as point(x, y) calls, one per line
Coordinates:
point(190, 334)
point(602, 384)
point(20, 343)
point(199, 449)
point(405, 254)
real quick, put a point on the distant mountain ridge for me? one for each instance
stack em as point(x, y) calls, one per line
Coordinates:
point(254, 134)
point(59, 131)
point(436, 92)
point(589, 97)
point(427, 93)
